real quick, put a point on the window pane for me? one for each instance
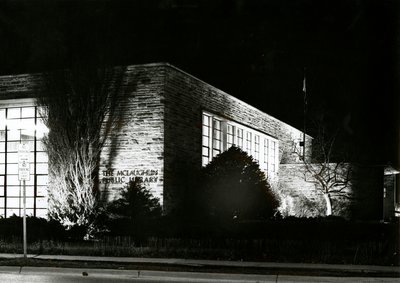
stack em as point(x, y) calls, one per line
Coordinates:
point(216, 144)
point(206, 120)
point(12, 168)
point(2, 146)
point(29, 202)
point(205, 151)
point(39, 146)
point(2, 169)
point(216, 124)
point(41, 202)
point(27, 135)
point(13, 191)
point(2, 157)
point(14, 124)
point(13, 135)
point(216, 152)
point(30, 192)
point(41, 213)
point(230, 139)
point(14, 202)
point(265, 150)
point(205, 141)
point(42, 168)
point(41, 180)
point(217, 135)
point(11, 212)
point(12, 180)
point(41, 191)
point(248, 142)
point(2, 191)
point(12, 146)
point(28, 123)
point(2, 119)
point(14, 113)
point(1, 203)
point(206, 131)
point(28, 112)
point(12, 157)
point(41, 157)
point(2, 135)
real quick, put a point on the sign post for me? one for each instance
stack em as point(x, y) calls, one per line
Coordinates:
point(24, 175)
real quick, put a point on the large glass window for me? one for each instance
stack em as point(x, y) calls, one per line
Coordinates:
point(219, 134)
point(217, 137)
point(230, 136)
point(248, 142)
point(206, 138)
point(17, 125)
point(257, 147)
point(272, 156)
point(240, 138)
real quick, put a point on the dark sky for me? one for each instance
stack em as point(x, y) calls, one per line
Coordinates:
point(254, 50)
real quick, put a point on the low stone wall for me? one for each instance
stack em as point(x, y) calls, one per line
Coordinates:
point(301, 195)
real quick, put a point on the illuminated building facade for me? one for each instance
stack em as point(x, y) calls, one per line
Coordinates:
point(171, 124)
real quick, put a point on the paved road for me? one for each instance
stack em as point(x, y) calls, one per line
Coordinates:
point(69, 275)
point(212, 263)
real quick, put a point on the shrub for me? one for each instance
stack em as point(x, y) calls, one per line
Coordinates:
point(134, 211)
point(37, 229)
point(234, 187)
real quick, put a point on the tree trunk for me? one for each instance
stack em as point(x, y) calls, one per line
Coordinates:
point(328, 204)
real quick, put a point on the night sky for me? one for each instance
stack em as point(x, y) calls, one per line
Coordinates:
point(254, 50)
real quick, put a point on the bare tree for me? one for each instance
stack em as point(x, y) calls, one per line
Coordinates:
point(79, 109)
point(330, 174)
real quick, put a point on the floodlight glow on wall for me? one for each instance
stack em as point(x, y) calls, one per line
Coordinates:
point(26, 126)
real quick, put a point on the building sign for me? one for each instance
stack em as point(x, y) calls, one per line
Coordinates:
point(23, 162)
point(122, 176)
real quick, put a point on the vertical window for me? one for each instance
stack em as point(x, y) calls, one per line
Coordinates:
point(230, 136)
point(240, 138)
point(272, 156)
point(257, 147)
point(248, 142)
point(206, 138)
point(265, 150)
point(217, 137)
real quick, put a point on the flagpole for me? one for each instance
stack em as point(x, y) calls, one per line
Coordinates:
point(304, 114)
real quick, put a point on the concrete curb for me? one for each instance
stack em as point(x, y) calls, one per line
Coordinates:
point(194, 263)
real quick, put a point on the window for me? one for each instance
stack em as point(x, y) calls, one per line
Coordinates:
point(248, 142)
point(217, 137)
point(220, 134)
point(257, 147)
point(272, 156)
point(240, 138)
point(22, 124)
point(230, 136)
point(206, 138)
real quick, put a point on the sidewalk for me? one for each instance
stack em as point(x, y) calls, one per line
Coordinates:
point(393, 271)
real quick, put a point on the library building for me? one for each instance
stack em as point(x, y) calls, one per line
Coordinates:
point(172, 124)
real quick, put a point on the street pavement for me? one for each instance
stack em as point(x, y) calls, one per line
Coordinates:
point(213, 263)
point(69, 275)
point(190, 270)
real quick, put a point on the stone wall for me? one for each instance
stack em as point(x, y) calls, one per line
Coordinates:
point(302, 196)
point(135, 149)
point(19, 86)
